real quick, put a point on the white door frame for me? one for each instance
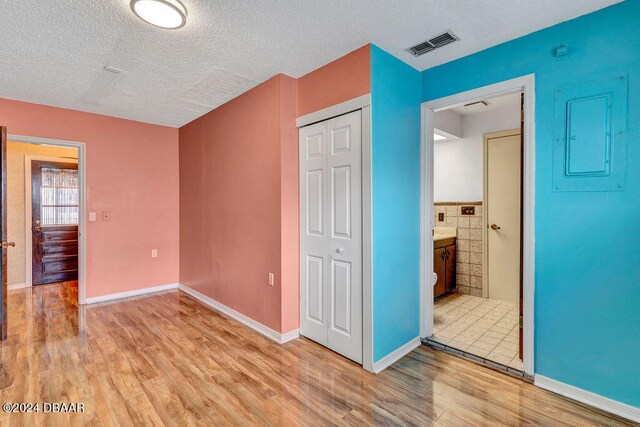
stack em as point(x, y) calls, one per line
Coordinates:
point(362, 103)
point(28, 210)
point(524, 84)
point(82, 225)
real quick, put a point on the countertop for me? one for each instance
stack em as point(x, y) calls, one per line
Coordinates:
point(441, 233)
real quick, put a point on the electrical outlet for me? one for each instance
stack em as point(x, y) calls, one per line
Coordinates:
point(92, 216)
point(154, 253)
point(468, 210)
point(271, 279)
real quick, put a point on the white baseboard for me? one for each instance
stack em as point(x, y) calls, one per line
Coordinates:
point(133, 293)
point(256, 326)
point(396, 355)
point(16, 286)
point(289, 336)
point(590, 398)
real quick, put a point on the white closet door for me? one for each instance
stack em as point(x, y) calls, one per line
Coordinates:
point(313, 231)
point(331, 234)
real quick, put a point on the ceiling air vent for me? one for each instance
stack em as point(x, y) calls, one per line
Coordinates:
point(432, 44)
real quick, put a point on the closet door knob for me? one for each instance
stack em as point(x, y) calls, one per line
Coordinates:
point(340, 250)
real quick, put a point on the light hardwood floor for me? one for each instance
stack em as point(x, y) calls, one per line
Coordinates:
point(168, 360)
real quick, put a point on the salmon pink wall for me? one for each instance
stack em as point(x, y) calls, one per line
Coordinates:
point(239, 191)
point(289, 210)
point(232, 206)
point(132, 172)
point(341, 80)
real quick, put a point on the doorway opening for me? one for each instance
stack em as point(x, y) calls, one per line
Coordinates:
point(44, 205)
point(43, 211)
point(478, 225)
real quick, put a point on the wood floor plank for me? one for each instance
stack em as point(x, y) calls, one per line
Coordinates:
point(166, 359)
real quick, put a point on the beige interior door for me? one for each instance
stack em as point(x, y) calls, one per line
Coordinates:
point(502, 214)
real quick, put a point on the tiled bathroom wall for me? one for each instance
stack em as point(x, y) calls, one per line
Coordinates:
point(469, 245)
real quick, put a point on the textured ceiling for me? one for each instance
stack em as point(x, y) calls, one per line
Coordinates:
point(54, 51)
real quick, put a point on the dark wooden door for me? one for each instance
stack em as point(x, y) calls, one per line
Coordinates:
point(55, 198)
point(3, 232)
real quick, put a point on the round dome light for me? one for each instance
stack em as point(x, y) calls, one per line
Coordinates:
point(169, 14)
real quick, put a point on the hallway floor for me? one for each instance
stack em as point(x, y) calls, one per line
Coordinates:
point(483, 327)
point(166, 359)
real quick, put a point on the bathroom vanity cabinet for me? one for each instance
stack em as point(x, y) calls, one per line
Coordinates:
point(444, 265)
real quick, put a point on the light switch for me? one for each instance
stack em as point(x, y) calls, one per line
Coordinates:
point(271, 279)
point(92, 216)
point(106, 215)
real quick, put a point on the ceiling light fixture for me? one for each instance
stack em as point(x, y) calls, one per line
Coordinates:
point(168, 14)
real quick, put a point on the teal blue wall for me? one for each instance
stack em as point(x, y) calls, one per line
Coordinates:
point(395, 113)
point(587, 296)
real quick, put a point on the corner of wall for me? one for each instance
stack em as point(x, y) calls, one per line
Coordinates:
point(395, 106)
point(289, 203)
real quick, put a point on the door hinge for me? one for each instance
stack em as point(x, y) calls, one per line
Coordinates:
point(520, 322)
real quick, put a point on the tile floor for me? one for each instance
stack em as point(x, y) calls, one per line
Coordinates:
point(483, 327)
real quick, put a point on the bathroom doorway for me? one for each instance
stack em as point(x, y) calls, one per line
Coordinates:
point(479, 193)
